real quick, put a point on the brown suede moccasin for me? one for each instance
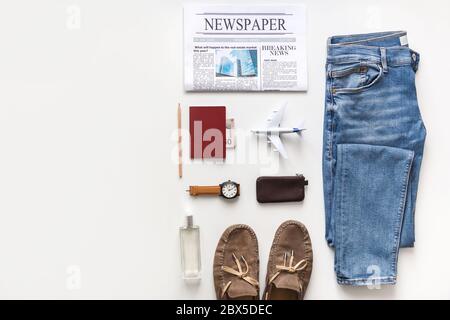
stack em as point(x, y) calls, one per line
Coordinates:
point(236, 264)
point(290, 263)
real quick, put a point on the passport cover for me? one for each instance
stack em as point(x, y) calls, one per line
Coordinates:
point(207, 128)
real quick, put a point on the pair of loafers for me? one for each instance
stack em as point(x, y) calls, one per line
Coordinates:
point(236, 264)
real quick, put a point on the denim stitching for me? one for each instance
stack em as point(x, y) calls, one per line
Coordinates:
point(364, 281)
point(362, 88)
point(338, 212)
point(331, 117)
point(376, 60)
point(387, 36)
point(401, 212)
point(343, 197)
point(334, 211)
point(347, 59)
point(346, 71)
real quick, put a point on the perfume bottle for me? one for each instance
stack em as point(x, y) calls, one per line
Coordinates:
point(190, 249)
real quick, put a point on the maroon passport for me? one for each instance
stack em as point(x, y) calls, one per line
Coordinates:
point(208, 132)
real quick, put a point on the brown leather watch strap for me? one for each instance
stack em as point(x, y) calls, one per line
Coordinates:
point(198, 190)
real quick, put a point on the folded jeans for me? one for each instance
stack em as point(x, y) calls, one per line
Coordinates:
point(372, 151)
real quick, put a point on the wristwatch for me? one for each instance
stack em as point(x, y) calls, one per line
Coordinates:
point(228, 189)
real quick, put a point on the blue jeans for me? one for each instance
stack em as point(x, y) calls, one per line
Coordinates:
point(372, 150)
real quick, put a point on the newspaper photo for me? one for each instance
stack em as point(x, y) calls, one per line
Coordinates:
point(245, 48)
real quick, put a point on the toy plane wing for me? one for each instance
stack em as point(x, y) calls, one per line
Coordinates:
point(277, 144)
point(275, 117)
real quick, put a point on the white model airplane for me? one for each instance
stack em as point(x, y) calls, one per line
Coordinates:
point(273, 130)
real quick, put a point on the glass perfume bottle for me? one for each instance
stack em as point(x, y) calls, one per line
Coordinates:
point(190, 249)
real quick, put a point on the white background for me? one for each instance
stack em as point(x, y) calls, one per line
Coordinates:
point(90, 200)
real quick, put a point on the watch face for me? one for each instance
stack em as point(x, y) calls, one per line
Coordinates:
point(229, 190)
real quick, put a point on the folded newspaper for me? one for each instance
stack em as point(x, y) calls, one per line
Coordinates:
point(245, 48)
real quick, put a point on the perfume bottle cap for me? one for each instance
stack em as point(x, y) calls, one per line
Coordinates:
point(189, 220)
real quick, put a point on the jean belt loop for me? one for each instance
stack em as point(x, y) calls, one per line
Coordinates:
point(384, 60)
point(414, 60)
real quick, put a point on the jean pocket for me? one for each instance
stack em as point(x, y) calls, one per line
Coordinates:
point(355, 77)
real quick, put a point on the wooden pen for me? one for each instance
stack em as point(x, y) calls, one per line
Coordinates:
point(180, 151)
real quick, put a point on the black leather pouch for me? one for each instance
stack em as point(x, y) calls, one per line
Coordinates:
point(280, 189)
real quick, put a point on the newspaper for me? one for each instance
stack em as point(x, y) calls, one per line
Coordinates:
point(245, 48)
